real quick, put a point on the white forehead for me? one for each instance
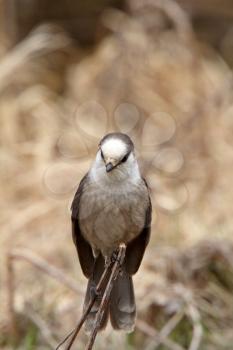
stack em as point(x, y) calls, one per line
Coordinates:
point(114, 148)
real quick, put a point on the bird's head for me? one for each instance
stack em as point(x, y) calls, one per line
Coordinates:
point(115, 157)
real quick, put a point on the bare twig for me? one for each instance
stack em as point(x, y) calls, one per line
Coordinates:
point(43, 266)
point(194, 315)
point(168, 328)
point(173, 11)
point(171, 324)
point(114, 268)
point(42, 326)
point(99, 287)
point(39, 42)
point(153, 333)
point(10, 295)
point(106, 296)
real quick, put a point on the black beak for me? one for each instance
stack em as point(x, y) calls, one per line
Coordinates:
point(109, 167)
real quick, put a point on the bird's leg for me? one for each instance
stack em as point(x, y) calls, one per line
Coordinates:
point(111, 259)
point(107, 261)
point(115, 258)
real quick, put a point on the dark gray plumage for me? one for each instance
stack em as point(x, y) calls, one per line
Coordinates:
point(111, 207)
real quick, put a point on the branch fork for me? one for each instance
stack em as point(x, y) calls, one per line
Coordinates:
point(112, 269)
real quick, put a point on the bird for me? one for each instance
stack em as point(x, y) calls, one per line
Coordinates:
point(112, 205)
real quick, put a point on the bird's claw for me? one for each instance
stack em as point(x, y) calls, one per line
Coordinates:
point(110, 260)
point(94, 292)
point(115, 258)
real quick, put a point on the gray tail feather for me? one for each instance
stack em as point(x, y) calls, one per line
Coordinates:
point(92, 283)
point(122, 303)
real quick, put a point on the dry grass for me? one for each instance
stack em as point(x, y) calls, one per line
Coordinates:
point(173, 95)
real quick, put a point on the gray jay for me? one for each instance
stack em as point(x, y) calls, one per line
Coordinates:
point(112, 206)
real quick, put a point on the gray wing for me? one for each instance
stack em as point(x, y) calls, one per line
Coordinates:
point(84, 249)
point(136, 248)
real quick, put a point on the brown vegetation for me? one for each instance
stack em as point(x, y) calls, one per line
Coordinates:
point(152, 78)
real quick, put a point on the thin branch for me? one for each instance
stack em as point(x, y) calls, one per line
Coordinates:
point(171, 324)
point(114, 267)
point(42, 326)
point(88, 309)
point(10, 285)
point(40, 264)
point(194, 315)
point(173, 10)
point(43, 40)
point(99, 287)
point(68, 336)
point(152, 332)
point(114, 274)
point(166, 330)
point(44, 266)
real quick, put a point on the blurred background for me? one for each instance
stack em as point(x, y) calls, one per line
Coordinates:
point(161, 71)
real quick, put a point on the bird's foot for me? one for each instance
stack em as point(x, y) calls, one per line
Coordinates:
point(95, 294)
point(110, 260)
point(107, 262)
point(115, 258)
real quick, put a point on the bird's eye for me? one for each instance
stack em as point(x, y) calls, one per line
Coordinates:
point(123, 160)
point(102, 155)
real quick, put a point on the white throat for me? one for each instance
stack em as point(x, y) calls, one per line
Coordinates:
point(119, 178)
